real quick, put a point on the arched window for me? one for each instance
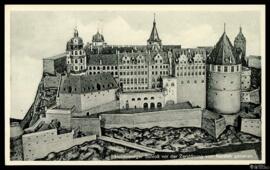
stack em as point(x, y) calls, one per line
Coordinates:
point(138, 99)
point(145, 105)
point(152, 105)
point(172, 84)
point(159, 105)
point(98, 86)
point(152, 98)
point(145, 98)
point(69, 89)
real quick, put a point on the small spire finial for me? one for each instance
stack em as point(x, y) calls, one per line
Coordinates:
point(76, 34)
point(224, 27)
point(240, 28)
point(154, 17)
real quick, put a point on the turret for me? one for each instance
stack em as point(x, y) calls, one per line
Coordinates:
point(240, 46)
point(76, 57)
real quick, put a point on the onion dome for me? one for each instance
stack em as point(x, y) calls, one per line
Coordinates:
point(222, 54)
point(98, 37)
point(76, 42)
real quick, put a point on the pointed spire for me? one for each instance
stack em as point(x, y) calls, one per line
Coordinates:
point(154, 33)
point(224, 27)
point(76, 34)
point(240, 29)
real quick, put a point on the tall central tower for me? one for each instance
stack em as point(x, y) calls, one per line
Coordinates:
point(223, 78)
point(76, 57)
point(154, 42)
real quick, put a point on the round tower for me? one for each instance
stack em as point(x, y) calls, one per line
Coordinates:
point(223, 78)
point(76, 56)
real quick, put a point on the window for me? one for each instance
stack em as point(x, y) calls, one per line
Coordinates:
point(225, 69)
point(138, 99)
point(218, 68)
point(172, 84)
point(145, 98)
point(152, 98)
point(232, 69)
point(133, 99)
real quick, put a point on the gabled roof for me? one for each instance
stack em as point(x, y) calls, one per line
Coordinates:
point(222, 54)
point(105, 59)
point(87, 83)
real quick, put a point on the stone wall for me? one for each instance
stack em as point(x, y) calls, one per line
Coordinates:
point(141, 99)
point(48, 66)
point(223, 95)
point(39, 144)
point(192, 89)
point(251, 126)
point(114, 105)
point(86, 101)
point(252, 96)
point(62, 115)
point(214, 126)
point(168, 118)
point(90, 126)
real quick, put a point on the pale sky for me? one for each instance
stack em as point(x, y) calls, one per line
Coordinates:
point(35, 35)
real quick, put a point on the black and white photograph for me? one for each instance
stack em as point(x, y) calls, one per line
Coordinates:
point(134, 84)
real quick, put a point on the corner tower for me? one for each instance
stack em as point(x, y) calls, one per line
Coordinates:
point(223, 78)
point(76, 57)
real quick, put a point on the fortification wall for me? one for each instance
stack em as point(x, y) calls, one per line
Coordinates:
point(63, 118)
point(114, 105)
point(192, 89)
point(69, 100)
point(220, 126)
point(251, 126)
point(141, 100)
point(91, 100)
point(86, 101)
point(39, 144)
point(172, 118)
point(48, 66)
point(90, 126)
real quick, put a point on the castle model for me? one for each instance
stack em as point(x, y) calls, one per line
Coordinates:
point(96, 85)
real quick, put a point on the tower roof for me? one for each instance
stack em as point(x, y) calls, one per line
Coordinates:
point(154, 33)
point(222, 54)
point(240, 35)
point(98, 37)
point(75, 40)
